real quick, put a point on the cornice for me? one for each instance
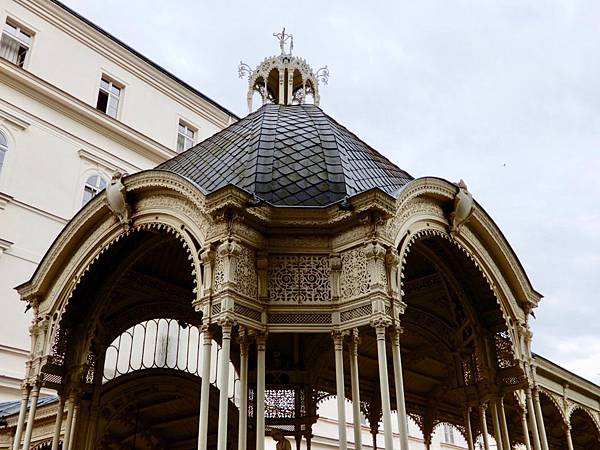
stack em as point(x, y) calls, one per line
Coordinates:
point(18, 122)
point(91, 36)
point(61, 101)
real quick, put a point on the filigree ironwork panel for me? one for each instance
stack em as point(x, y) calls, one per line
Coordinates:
point(245, 273)
point(354, 277)
point(299, 278)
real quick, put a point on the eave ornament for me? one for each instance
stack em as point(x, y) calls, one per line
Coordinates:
point(116, 199)
point(463, 208)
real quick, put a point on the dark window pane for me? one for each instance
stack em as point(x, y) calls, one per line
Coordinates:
point(102, 101)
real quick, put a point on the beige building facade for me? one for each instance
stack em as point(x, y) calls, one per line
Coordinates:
point(75, 105)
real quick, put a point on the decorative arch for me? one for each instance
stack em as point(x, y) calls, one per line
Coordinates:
point(577, 407)
point(426, 203)
point(160, 201)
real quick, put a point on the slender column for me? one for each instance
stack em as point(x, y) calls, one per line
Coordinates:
point(25, 391)
point(74, 425)
point(503, 425)
point(399, 382)
point(484, 433)
point(243, 414)
point(205, 388)
point(525, 429)
point(35, 393)
point(282, 87)
point(496, 425)
point(261, 344)
point(290, 87)
point(540, 419)
point(58, 422)
point(69, 424)
point(532, 421)
point(468, 429)
point(223, 384)
point(384, 388)
point(568, 435)
point(354, 380)
point(338, 342)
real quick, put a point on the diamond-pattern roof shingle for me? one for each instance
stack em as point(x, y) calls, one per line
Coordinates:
point(288, 156)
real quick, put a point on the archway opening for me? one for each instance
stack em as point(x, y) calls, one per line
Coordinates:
point(584, 432)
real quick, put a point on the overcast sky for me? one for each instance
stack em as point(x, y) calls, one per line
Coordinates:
point(505, 95)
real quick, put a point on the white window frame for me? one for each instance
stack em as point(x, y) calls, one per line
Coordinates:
point(3, 150)
point(187, 139)
point(95, 189)
point(111, 95)
point(23, 36)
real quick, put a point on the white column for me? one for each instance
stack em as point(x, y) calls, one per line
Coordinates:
point(205, 388)
point(290, 88)
point(568, 435)
point(468, 429)
point(484, 433)
point(540, 419)
point(261, 345)
point(58, 422)
point(338, 342)
point(69, 424)
point(525, 429)
point(74, 425)
point(35, 392)
point(384, 386)
point(354, 381)
point(25, 391)
point(503, 425)
point(223, 384)
point(399, 382)
point(281, 86)
point(243, 412)
point(532, 422)
point(496, 425)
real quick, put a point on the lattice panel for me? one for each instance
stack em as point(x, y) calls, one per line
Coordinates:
point(299, 278)
point(215, 309)
point(354, 277)
point(300, 318)
point(247, 312)
point(356, 313)
point(504, 350)
point(280, 403)
point(245, 273)
point(59, 345)
point(219, 276)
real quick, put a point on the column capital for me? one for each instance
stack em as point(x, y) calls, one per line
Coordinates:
point(226, 324)
point(261, 341)
point(243, 340)
point(483, 407)
point(380, 324)
point(338, 339)
point(354, 341)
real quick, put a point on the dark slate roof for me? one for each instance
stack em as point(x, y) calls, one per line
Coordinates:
point(10, 408)
point(288, 156)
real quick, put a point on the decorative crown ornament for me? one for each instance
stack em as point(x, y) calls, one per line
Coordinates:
point(284, 79)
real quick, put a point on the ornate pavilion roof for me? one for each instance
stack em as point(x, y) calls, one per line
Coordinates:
point(288, 155)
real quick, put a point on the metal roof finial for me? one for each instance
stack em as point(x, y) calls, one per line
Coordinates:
point(283, 38)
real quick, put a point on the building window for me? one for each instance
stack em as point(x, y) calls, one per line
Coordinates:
point(15, 43)
point(185, 136)
point(3, 149)
point(448, 434)
point(108, 97)
point(93, 185)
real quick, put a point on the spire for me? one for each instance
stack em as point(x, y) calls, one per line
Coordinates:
point(284, 79)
